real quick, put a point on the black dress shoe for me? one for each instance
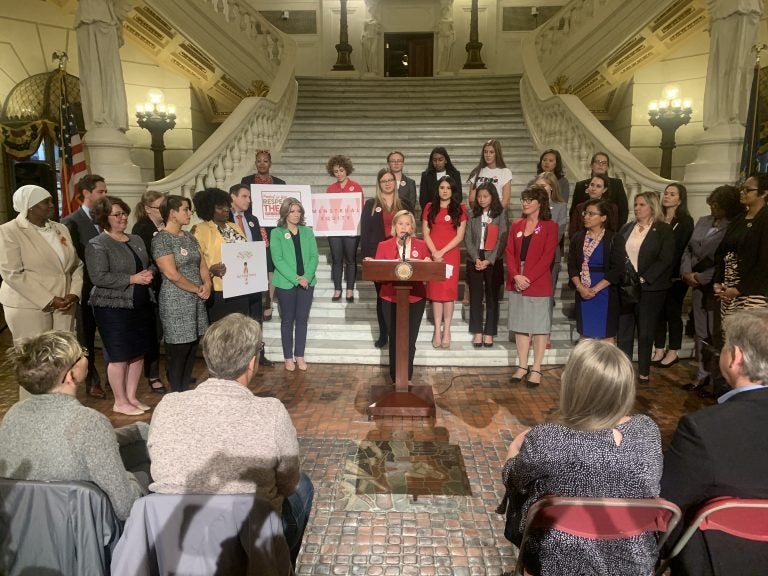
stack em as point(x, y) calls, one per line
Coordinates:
point(336, 298)
point(153, 385)
point(381, 342)
point(350, 299)
point(675, 361)
point(263, 361)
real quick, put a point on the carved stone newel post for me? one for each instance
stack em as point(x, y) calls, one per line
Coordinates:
point(474, 60)
point(343, 48)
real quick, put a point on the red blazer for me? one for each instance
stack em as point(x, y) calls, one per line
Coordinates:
point(389, 250)
point(538, 262)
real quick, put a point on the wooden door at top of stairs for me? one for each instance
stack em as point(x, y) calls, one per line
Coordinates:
point(409, 54)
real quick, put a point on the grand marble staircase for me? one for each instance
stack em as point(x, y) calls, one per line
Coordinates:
point(365, 119)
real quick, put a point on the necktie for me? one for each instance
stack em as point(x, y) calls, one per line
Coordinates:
point(241, 224)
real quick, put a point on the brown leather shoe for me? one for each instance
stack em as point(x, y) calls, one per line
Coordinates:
point(96, 391)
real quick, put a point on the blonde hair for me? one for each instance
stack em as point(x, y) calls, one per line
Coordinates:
point(41, 362)
point(657, 214)
point(597, 387)
point(400, 214)
point(551, 179)
point(146, 199)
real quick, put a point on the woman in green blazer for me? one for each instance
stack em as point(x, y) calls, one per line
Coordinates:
point(294, 253)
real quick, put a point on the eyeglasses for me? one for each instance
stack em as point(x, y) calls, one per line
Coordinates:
point(148, 207)
point(586, 213)
point(83, 354)
point(748, 190)
point(119, 215)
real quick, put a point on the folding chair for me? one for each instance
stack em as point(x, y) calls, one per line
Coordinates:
point(599, 519)
point(743, 518)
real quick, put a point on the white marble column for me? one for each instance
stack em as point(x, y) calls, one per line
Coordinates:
point(98, 24)
point(733, 31)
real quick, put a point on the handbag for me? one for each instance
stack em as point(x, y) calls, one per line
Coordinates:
point(630, 287)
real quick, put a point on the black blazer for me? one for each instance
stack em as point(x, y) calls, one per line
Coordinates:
point(146, 230)
point(614, 256)
point(82, 230)
point(752, 252)
point(372, 228)
point(615, 190)
point(721, 450)
point(252, 222)
point(656, 257)
point(682, 228)
point(428, 185)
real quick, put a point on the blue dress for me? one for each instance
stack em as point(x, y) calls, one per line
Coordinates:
point(592, 315)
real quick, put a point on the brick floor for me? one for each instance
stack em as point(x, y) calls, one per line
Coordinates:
point(425, 532)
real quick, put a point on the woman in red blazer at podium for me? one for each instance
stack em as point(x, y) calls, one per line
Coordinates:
point(403, 229)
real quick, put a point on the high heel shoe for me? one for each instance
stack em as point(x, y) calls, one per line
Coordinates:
point(290, 365)
point(477, 343)
point(518, 379)
point(336, 297)
point(488, 344)
point(528, 382)
point(350, 296)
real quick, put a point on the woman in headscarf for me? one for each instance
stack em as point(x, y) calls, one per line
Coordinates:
point(42, 275)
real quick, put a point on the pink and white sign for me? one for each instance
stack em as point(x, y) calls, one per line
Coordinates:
point(266, 200)
point(337, 214)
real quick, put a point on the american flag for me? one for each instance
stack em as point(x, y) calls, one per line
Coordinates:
point(72, 155)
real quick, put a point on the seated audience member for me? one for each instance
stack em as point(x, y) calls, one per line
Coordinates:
point(221, 439)
point(50, 436)
point(722, 450)
point(595, 448)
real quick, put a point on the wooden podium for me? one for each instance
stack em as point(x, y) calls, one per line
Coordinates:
point(404, 400)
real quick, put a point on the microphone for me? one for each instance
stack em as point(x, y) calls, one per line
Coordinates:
point(404, 236)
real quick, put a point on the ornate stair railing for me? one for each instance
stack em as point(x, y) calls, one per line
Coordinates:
point(563, 122)
point(266, 53)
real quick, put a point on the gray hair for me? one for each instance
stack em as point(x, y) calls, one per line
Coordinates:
point(41, 362)
point(285, 209)
point(597, 387)
point(230, 344)
point(749, 331)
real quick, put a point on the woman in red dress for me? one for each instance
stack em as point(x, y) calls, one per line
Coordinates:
point(403, 241)
point(445, 219)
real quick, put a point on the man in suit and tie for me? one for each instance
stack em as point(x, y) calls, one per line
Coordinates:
point(82, 228)
point(250, 228)
point(722, 450)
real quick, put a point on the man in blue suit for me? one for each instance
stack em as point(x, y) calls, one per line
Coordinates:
point(250, 228)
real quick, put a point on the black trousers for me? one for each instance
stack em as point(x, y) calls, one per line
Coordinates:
point(180, 360)
point(343, 256)
point(483, 283)
point(672, 317)
point(86, 333)
point(154, 337)
point(642, 318)
point(415, 313)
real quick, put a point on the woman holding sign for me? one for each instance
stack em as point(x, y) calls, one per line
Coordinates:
point(212, 206)
point(343, 248)
point(294, 252)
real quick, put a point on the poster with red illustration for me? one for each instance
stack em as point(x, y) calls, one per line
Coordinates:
point(266, 200)
point(337, 214)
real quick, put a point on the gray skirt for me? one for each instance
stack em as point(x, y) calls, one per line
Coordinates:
point(529, 314)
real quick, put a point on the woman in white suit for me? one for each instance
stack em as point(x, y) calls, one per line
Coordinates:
point(42, 275)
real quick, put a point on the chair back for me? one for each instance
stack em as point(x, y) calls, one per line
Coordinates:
point(740, 517)
point(56, 527)
point(599, 518)
point(201, 534)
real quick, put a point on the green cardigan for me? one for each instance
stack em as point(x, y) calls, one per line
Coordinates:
point(284, 257)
